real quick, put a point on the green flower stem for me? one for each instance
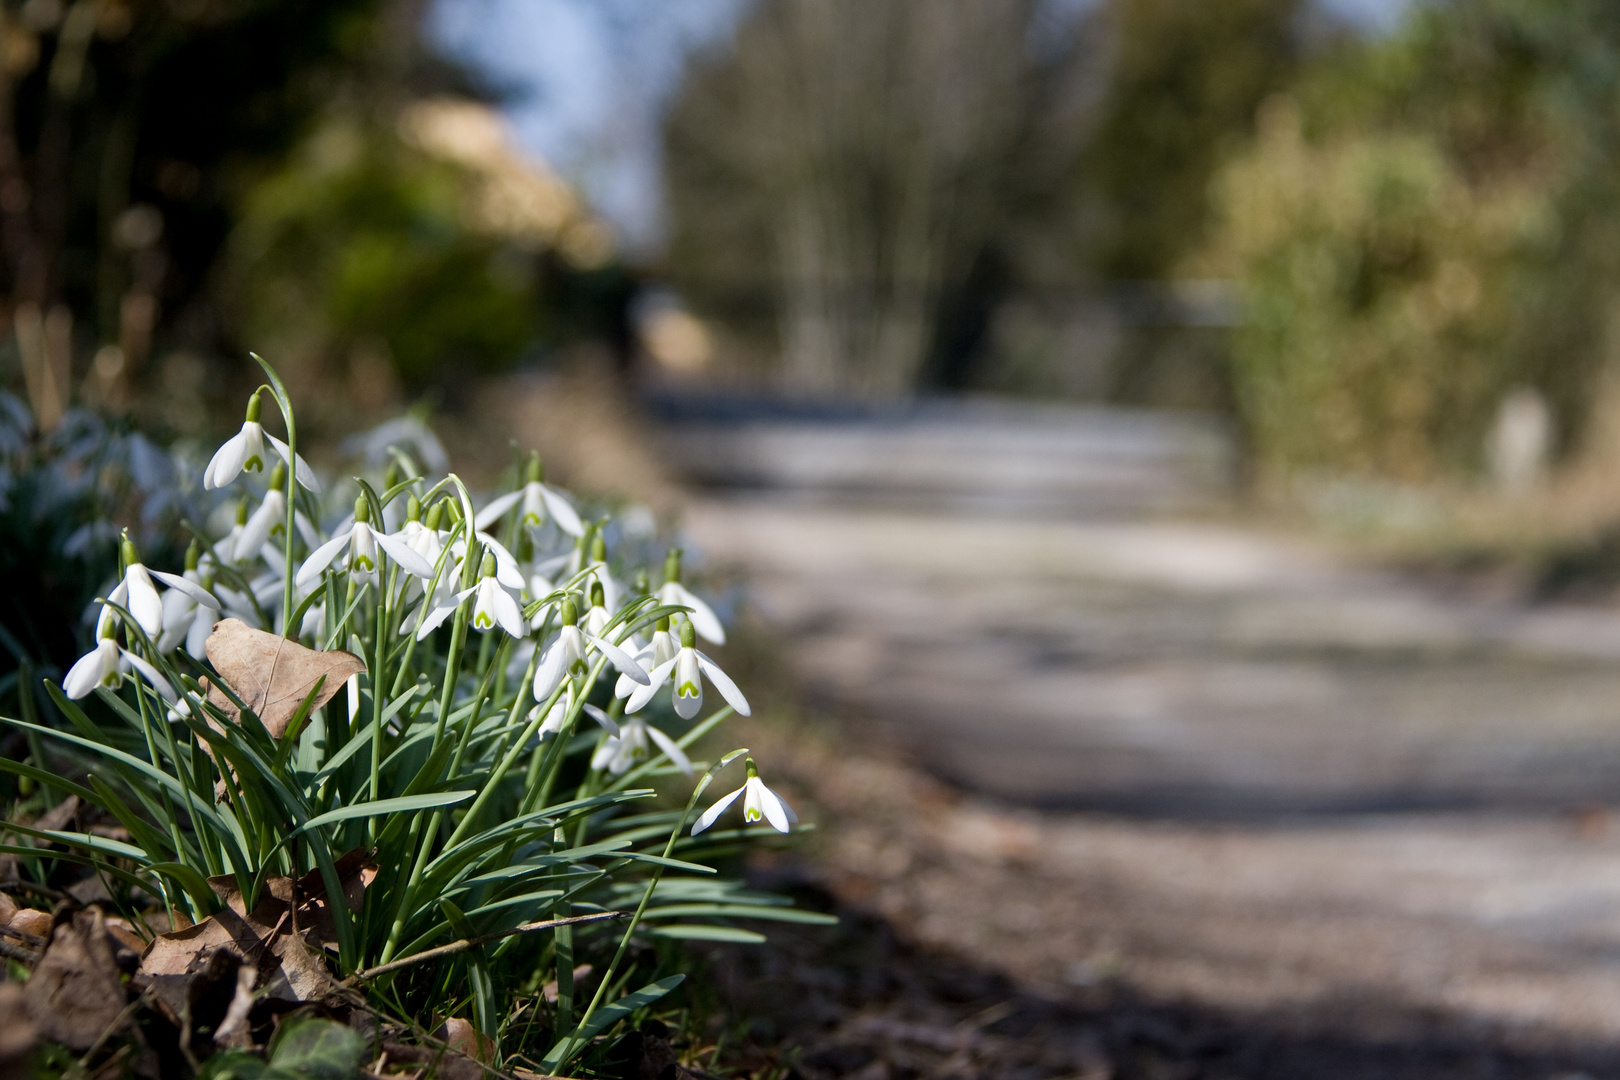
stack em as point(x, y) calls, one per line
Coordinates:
point(284, 402)
point(452, 670)
point(379, 660)
point(568, 1045)
point(505, 766)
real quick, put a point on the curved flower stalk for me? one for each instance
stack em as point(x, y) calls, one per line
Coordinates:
point(629, 748)
point(565, 656)
point(759, 802)
point(540, 504)
point(246, 452)
point(360, 560)
point(688, 667)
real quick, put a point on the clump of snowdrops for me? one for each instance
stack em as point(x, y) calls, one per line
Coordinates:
point(488, 707)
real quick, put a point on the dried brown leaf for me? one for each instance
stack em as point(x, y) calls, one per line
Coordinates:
point(460, 1036)
point(74, 994)
point(271, 674)
point(31, 921)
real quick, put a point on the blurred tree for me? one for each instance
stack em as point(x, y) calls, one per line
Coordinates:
point(126, 130)
point(1183, 85)
point(389, 257)
point(1428, 225)
point(839, 173)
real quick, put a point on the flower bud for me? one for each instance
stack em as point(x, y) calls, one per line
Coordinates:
point(242, 511)
point(598, 595)
point(598, 548)
point(753, 770)
point(391, 475)
point(488, 567)
point(536, 471)
point(413, 508)
point(278, 476)
point(126, 552)
point(362, 509)
point(435, 516)
point(253, 408)
point(672, 565)
point(567, 612)
point(688, 634)
point(193, 554)
point(662, 625)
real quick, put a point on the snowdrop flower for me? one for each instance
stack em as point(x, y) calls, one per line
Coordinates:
point(492, 607)
point(269, 520)
point(362, 542)
point(759, 802)
point(673, 592)
point(136, 594)
point(629, 747)
point(565, 656)
point(539, 503)
point(687, 667)
point(106, 665)
point(183, 617)
point(507, 570)
point(245, 451)
point(557, 715)
point(660, 649)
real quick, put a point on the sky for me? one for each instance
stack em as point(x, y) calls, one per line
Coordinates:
point(586, 81)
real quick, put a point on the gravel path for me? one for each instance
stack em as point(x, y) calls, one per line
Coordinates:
point(1217, 768)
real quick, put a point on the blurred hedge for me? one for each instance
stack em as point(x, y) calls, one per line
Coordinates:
point(1424, 224)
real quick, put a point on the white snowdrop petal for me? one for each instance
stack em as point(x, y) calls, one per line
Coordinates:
point(774, 808)
point(490, 514)
point(226, 463)
point(713, 813)
point(189, 588)
point(507, 612)
point(722, 682)
point(620, 659)
point(305, 474)
point(675, 753)
point(88, 671)
point(321, 558)
point(404, 556)
point(610, 725)
point(151, 675)
point(562, 513)
point(549, 674)
point(144, 602)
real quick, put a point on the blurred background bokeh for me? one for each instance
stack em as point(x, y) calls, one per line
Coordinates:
point(1187, 411)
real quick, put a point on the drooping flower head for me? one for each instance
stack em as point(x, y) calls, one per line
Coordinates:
point(247, 450)
point(760, 803)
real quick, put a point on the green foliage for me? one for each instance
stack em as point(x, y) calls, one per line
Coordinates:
point(480, 808)
point(304, 1049)
point(1425, 225)
point(364, 240)
point(1182, 87)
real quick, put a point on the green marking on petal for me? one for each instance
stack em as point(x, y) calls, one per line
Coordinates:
point(253, 464)
point(750, 814)
point(364, 562)
point(687, 689)
point(532, 520)
point(482, 621)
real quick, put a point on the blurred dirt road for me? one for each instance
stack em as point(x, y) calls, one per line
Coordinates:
point(1214, 765)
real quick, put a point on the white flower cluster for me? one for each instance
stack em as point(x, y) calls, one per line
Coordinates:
point(428, 558)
